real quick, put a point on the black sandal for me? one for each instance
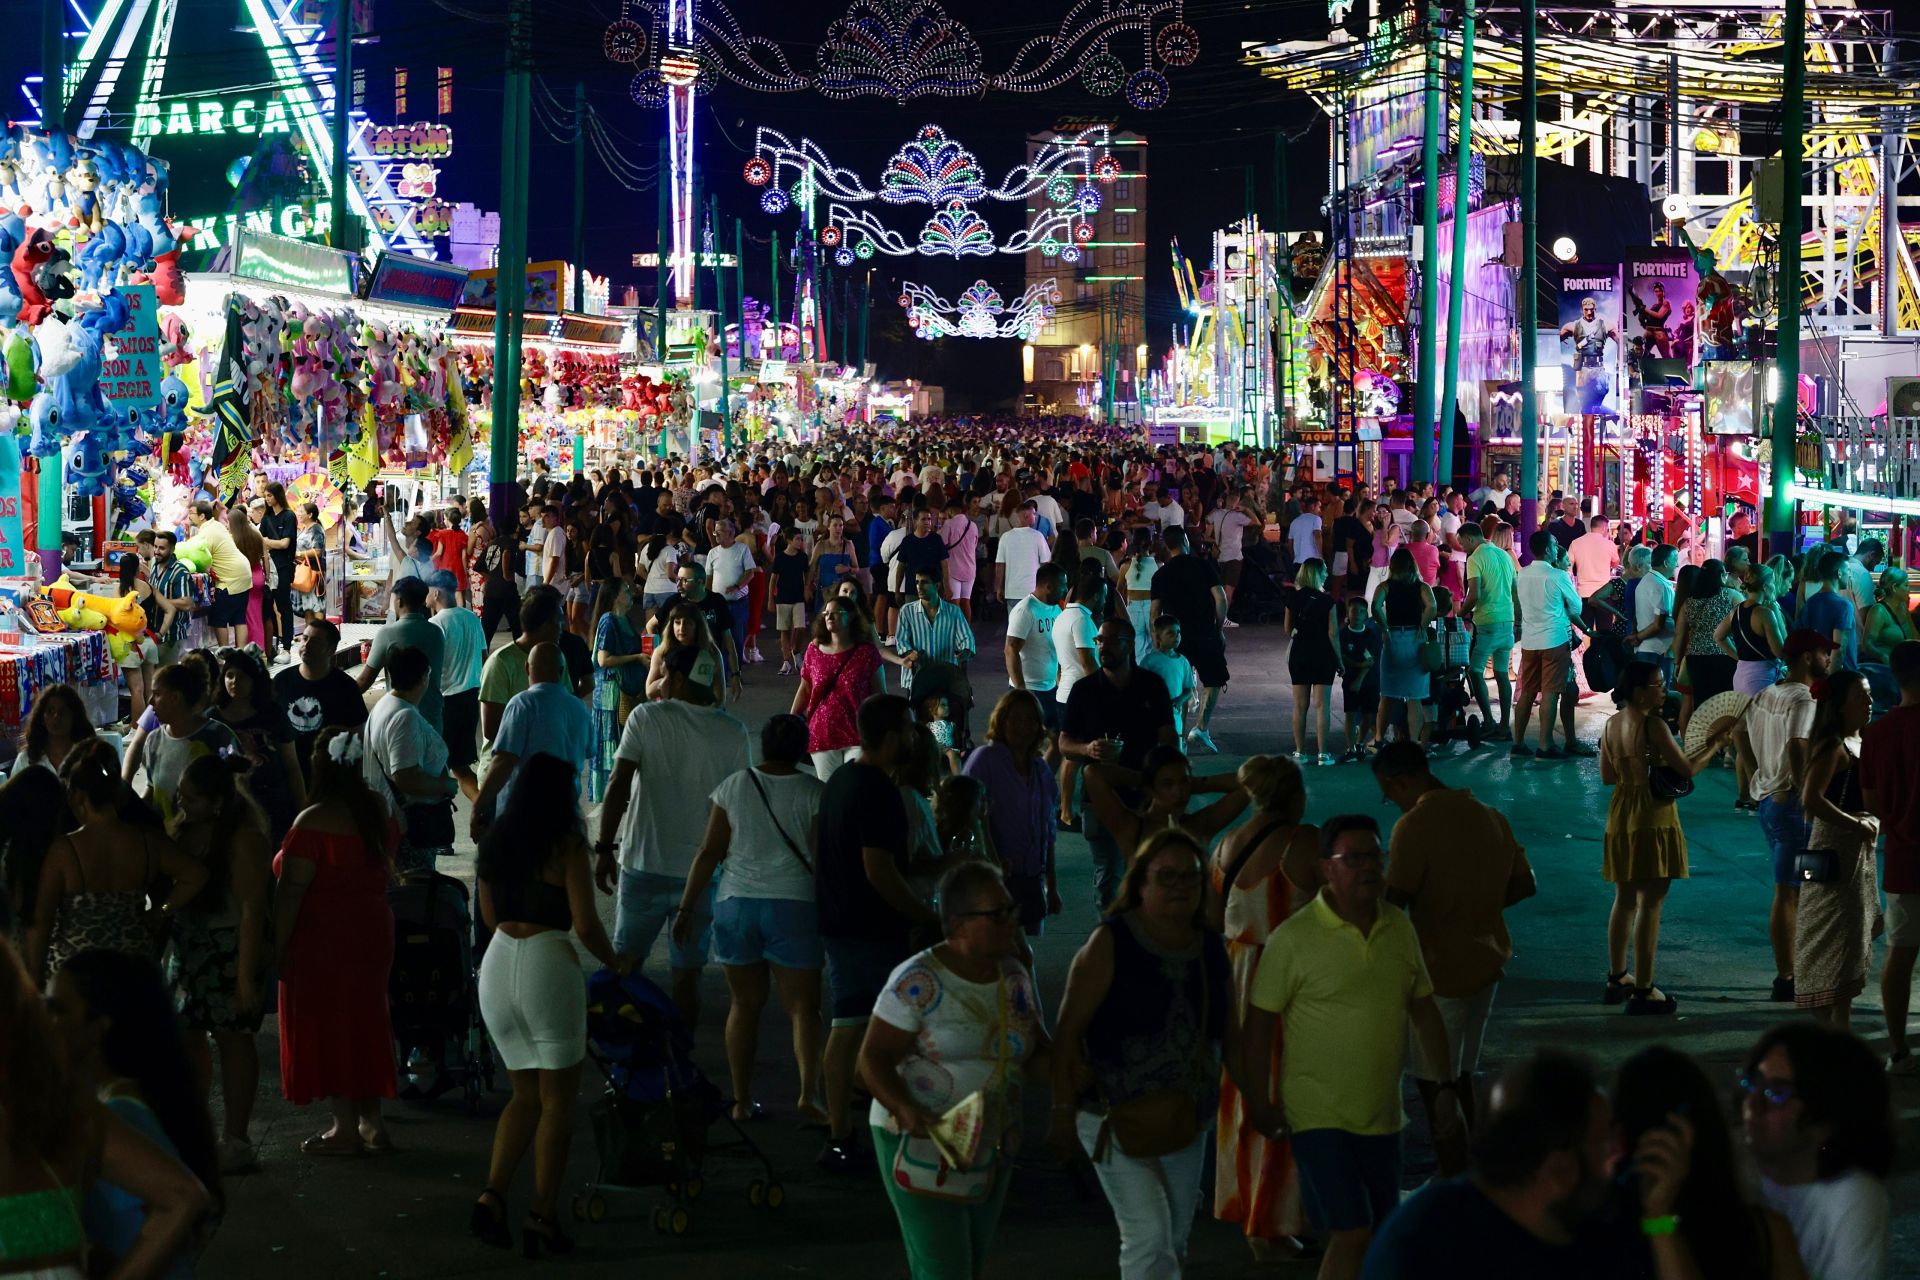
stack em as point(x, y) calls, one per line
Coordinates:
point(1642, 1003)
point(1617, 988)
point(539, 1233)
point(489, 1221)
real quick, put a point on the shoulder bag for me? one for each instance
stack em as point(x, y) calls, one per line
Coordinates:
point(1663, 780)
point(1160, 1121)
point(954, 1162)
point(427, 824)
point(775, 818)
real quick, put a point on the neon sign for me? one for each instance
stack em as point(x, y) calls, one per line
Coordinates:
point(210, 117)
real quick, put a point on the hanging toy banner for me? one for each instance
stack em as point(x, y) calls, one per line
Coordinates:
point(130, 375)
point(12, 552)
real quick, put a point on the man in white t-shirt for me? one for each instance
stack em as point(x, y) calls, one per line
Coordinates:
point(1021, 552)
point(1496, 493)
point(1593, 557)
point(1305, 533)
point(1074, 631)
point(1031, 663)
point(1653, 605)
point(552, 547)
point(1044, 503)
point(1167, 515)
point(683, 746)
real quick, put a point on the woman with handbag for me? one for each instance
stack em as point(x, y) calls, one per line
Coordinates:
point(951, 1034)
point(619, 678)
point(1263, 872)
point(762, 827)
point(1138, 1051)
point(1839, 891)
point(839, 670)
point(310, 564)
point(1403, 607)
point(406, 764)
point(1645, 850)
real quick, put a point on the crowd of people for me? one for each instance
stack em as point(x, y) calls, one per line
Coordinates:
point(1232, 1036)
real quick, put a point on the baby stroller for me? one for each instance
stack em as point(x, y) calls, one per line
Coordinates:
point(1262, 593)
point(432, 995)
point(945, 678)
point(1455, 716)
point(651, 1129)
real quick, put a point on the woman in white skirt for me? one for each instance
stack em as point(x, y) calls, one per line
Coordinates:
point(1387, 539)
point(535, 888)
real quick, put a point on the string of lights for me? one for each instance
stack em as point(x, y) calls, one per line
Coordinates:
point(980, 312)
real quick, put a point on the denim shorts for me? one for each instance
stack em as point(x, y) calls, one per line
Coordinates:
point(857, 971)
point(646, 905)
point(1786, 830)
point(1348, 1181)
point(782, 931)
point(1490, 640)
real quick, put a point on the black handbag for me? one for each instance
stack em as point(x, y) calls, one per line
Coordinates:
point(429, 824)
point(1668, 783)
point(1816, 866)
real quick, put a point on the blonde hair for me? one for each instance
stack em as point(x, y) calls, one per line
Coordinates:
point(1274, 782)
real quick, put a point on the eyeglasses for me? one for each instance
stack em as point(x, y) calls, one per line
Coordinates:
point(1002, 914)
point(1359, 858)
point(1776, 1094)
point(1175, 879)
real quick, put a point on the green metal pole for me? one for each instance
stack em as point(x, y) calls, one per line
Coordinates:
point(740, 292)
point(579, 254)
point(343, 236)
point(53, 115)
point(1457, 269)
point(773, 272)
point(1528, 481)
point(720, 321)
point(1429, 373)
point(503, 436)
point(1786, 354)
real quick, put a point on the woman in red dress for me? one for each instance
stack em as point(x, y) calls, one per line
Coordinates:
point(334, 942)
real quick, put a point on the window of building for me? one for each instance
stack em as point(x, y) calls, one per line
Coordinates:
point(1047, 328)
point(1123, 189)
point(1122, 224)
point(1053, 371)
point(1120, 257)
point(400, 93)
point(1083, 290)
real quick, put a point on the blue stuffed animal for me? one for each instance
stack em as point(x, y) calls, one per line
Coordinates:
point(101, 258)
point(44, 414)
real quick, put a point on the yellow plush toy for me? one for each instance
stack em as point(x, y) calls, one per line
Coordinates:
point(84, 611)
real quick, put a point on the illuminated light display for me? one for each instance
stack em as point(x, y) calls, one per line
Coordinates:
point(980, 312)
point(907, 49)
point(774, 201)
point(757, 171)
point(932, 169)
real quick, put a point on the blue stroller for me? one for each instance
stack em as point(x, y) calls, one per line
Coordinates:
point(651, 1128)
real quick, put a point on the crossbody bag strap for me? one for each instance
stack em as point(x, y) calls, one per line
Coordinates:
point(754, 777)
point(1241, 859)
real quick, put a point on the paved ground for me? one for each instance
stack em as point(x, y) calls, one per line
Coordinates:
point(404, 1215)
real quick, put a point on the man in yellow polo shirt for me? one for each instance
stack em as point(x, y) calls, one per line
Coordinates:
point(232, 572)
point(1344, 976)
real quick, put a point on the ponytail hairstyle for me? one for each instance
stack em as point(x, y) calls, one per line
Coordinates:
point(92, 773)
point(337, 780)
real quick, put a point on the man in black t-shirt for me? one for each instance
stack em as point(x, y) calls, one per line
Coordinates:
point(1537, 1201)
point(692, 579)
point(316, 694)
point(924, 548)
point(1187, 587)
point(1114, 716)
point(1353, 539)
point(866, 911)
point(279, 529)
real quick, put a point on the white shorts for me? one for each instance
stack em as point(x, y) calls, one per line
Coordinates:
point(533, 997)
point(1903, 919)
point(1466, 1021)
point(789, 617)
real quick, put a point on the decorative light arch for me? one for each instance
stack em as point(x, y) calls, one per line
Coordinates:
point(980, 312)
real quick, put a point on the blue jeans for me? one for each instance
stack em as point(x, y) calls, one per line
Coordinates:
point(1786, 829)
point(1108, 864)
point(645, 904)
point(1348, 1181)
point(738, 608)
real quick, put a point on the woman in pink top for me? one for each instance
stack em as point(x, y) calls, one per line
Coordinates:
point(1386, 540)
point(840, 669)
point(1426, 556)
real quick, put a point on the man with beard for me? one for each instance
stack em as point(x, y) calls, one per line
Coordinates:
point(1533, 1204)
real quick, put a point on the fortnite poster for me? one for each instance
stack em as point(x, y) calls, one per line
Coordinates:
point(1590, 344)
point(1660, 312)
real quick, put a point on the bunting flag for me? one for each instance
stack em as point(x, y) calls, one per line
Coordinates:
point(233, 434)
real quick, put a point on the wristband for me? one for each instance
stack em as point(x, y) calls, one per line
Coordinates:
point(1662, 1226)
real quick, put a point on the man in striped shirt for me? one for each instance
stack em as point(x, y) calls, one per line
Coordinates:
point(930, 629)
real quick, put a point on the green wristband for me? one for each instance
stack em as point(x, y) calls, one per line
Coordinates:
point(1662, 1226)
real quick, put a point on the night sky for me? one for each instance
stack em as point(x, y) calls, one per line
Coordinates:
point(1221, 118)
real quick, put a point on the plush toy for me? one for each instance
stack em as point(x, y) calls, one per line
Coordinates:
point(20, 382)
point(122, 616)
point(58, 356)
point(35, 250)
point(101, 258)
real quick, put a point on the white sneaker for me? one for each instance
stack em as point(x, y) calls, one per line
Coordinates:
point(786, 668)
point(1201, 738)
point(1228, 624)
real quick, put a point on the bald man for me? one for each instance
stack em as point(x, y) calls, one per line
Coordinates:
point(544, 719)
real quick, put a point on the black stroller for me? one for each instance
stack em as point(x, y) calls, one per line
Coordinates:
point(1456, 717)
point(949, 680)
point(1263, 593)
point(651, 1129)
point(432, 994)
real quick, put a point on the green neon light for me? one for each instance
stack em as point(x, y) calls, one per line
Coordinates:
point(1113, 277)
point(287, 76)
point(95, 38)
point(1858, 501)
point(209, 117)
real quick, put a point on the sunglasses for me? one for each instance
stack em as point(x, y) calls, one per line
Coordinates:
point(1003, 914)
point(1776, 1095)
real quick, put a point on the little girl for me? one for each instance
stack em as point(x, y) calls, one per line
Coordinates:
point(934, 712)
